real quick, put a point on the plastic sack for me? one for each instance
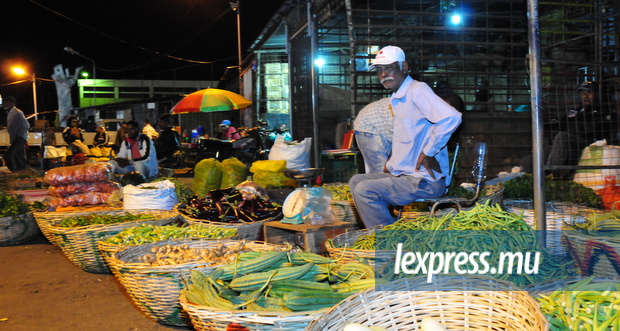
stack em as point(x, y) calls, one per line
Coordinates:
point(80, 199)
point(598, 154)
point(318, 207)
point(233, 173)
point(207, 176)
point(610, 194)
point(89, 172)
point(296, 155)
point(76, 188)
point(268, 165)
point(156, 195)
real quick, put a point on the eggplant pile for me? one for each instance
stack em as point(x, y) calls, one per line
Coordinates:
point(229, 206)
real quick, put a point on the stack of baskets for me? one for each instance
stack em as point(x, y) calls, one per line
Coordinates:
point(462, 304)
point(15, 230)
point(247, 231)
point(79, 244)
point(156, 289)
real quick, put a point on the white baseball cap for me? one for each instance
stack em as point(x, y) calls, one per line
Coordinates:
point(388, 55)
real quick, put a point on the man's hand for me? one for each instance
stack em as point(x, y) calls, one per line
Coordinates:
point(122, 162)
point(429, 163)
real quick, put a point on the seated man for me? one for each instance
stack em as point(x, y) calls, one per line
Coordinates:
point(168, 143)
point(418, 166)
point(578, 129)
point(137, 153)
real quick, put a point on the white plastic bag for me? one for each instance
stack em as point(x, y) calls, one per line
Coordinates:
point(598, 154)
point(296, 154)
point(157, 195)
point(51, 152)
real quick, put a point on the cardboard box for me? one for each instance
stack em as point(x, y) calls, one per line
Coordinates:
point(311, 238)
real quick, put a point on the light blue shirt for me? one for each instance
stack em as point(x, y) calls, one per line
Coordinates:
point(423, 123)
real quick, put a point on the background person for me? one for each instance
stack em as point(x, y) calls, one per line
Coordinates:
point(578, 129)
point(418, 166)
point(374, 128)
point(101, 137)
point(121, 134)
point(228, 132)
point(48, 135)
point(137, 153)
point(73, 137)
point(168, 143)
point(149, 130)
point(17, 126)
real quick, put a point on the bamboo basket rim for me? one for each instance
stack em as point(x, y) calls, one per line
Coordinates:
point(95, 227)
point(400, 297)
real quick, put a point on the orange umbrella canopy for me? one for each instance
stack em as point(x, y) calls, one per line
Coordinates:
point(210, 99)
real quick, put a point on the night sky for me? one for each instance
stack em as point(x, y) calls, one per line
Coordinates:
point(126, 39)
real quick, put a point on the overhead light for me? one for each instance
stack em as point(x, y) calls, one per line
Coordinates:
point(319, 62)
point(455, 19)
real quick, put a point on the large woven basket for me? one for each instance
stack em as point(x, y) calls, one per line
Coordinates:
point(339, 248)
point(213, 319)
point(156, 289)
point(15, 230)
point(247, 231)
point(465, 304)
point(107, 250)
point(594, 255)
point(79, 244)
point(556, 222)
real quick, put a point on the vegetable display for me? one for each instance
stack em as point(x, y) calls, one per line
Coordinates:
point(92, 219)
point(173, 255)
point(278, 281)
point(147, 233)
point(522, 187)
point(229, 206)
point(89, 172)
point(11, 205)
point(481, 229)
point(585, 305)
point(604, 224)
point(340, 191)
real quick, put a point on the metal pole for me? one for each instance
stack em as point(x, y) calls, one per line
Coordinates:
point(315, 83)
point(537, 120)
point(34, 96)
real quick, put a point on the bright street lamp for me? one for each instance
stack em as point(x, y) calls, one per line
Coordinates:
point(74, 52)
point(33, 78)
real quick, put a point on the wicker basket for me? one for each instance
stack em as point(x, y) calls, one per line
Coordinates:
point(79, 244)
point(15, 230)
point(107, 250)
point(472, 304)
point(155, 289)
point(556, 221)
point(338, 248)
point(246, 231)
point(214, 319)
point(594, 255)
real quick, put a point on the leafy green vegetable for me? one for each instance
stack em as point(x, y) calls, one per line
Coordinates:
point(150, 233)
point(92, 219)
point(12, 205)
point(522, 187)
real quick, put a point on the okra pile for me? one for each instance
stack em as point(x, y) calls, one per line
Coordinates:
point(585, 305)
point(148, 233)
point(278, 281)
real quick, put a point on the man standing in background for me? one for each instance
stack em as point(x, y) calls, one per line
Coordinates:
point(17, 126)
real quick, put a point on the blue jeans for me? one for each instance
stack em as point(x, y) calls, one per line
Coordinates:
point(374, 193)
point(375, 150)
